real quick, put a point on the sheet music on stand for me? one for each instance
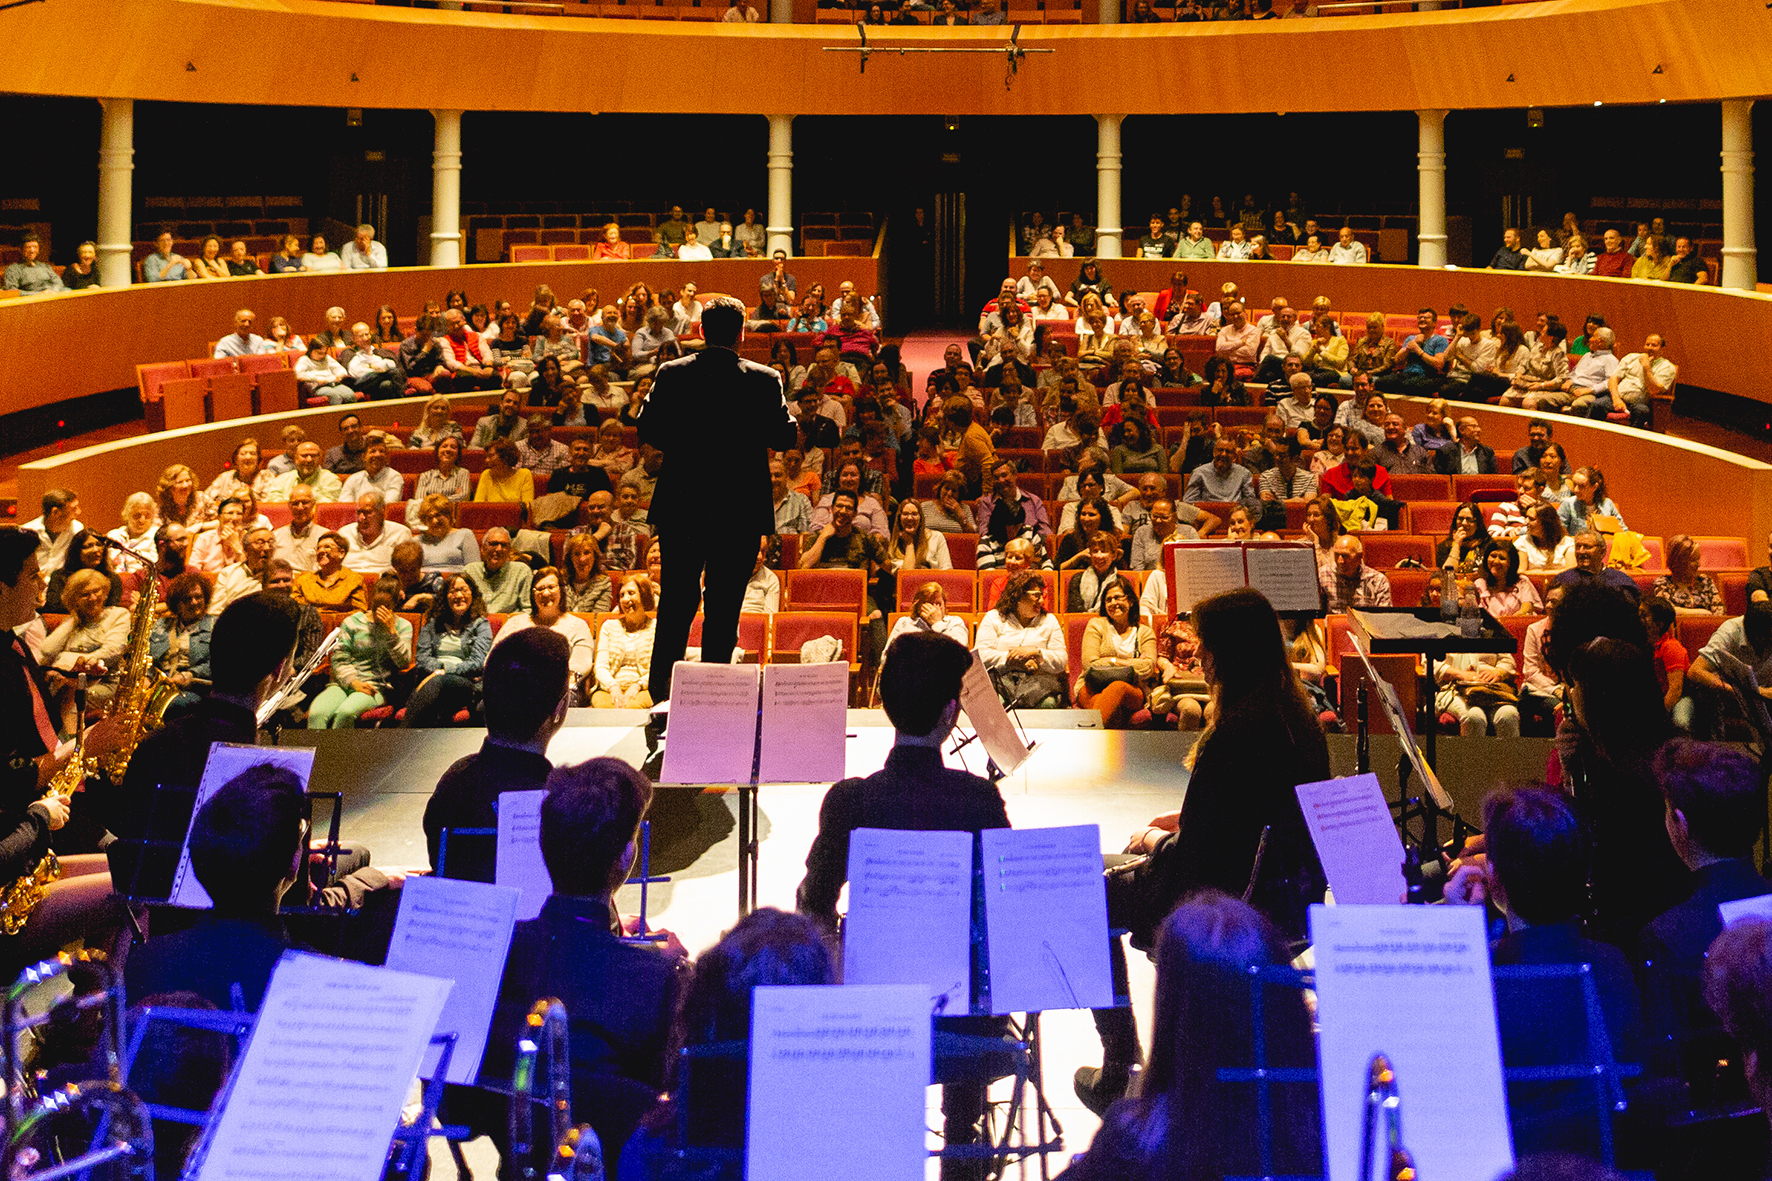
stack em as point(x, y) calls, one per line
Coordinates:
point(1405, 730)
point(1285, 572)
point(227, 760)
point(1003, 742)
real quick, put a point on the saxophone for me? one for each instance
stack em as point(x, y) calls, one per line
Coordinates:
point(21, 896)
point(143, 691)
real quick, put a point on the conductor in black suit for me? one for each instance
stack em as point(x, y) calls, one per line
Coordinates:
point(715, 417)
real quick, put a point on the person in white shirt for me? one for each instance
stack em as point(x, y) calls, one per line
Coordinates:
point(295, 542)
point(1036, 281)
point(692, 250)
point(364, 253)
point(318, 258)
point(243, 341)
point(319, 374)
point(376, 475)
point(762, 594)
point(708, 228)
point(372, 536)
point(1311, 251)
point(741, 13)
point(1236, 247)
point(1347, 251)
point(687, 309)
point(372, 371)
point(1633, 386)
point(56, 529)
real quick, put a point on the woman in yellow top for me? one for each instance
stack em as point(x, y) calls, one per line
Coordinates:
point(1327, 355)
point(330, 587)
point(1654, 262)
point(503, 482)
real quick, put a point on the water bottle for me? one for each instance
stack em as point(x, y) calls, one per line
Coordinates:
point(1448, 595)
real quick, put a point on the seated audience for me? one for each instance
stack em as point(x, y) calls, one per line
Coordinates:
point(1590, 568)
point(624, 649)
point(948, 512)
point(503, 481)
point(548, 610)
point(913, 545)
point(586, 588)
point(450, 655)
point(371, 538)
point(376, 476)
point(373, 646)
point(929, 613)
point(92, 635)
point(1224, 479)
point(1468, 456)
point(1501, 589)
point(1023, 645)
point(179, 644)
point(1464, 545)
point(1717, 689)
point(447, 479)
point(1683, 587)
point(503, 584)
point(330, 586)
point(1348, 582)
point(445, 548)
point(320, 375)
point(307, 470)
point(88, 551)
point(1119, 657)
point(1588, 500)
point(1545, 546)
point(1476, 690)
point(1737, 985)
point(1639, 379)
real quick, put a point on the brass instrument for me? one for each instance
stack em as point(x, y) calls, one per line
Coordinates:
point(143, 691)
point(541, 1082)
point(21, 895)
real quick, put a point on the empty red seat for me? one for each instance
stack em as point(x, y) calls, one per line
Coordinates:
point(792, 629)
point(753, 635)
point(1387, 549)
point(480, 515)
point(1723, 553)
point(824, 590)
point(1464, 486)
point(1423, 487)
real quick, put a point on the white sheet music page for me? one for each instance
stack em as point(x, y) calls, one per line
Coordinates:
point(1286, 574)
point(1046, 919)
point(989, 720)
point(461, 932)
point(519, 862)
point(805, 714)
point(838, 1079)
point(1356, 840)
point(1411, 983)
point(910, 913)
point(713, 729)
point(318, 1092)
point(1199, 570)
point(227, 760)
point(1757, 907)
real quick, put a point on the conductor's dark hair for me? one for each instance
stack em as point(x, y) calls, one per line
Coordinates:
point(244, 841)
point(15, 546)
point(252, 637)
point(1538, 852)
point(525, 680)
point(1720, 791)
point(591, 814)
point(921, 674)
point(722, 320)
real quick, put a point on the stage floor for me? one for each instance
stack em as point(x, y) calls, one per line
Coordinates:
point(1077, 774)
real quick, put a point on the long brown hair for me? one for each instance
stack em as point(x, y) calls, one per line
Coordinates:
point(1251, 669)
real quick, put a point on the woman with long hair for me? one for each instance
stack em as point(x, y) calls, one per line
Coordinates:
point(278, 333)
point(1546, 547)
point(1587, 499)
point(547, 593)
point(1222, 385)
point(1137, 450)
point(1501, 589)
point(1023, 645)
point(914, 546)
point(1094, 517)
point(549, 382)
point(1465, 543)
point(92, 633)
point(88, 551)
point(386, 331)
point(624, 649)
point(1322, 525)
point(452, 648)
point(209, 264)
point(586, 586)
point(947, 511)
point(435, 425)
point(181, 501)
point(373, 645)
point(1185, 1123)
point(1119, 658)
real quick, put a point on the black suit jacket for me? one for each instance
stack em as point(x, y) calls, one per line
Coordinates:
point(736, 250)
point(1446, 460)
point(467, 797)
point(172, 758)
point(209, 959)
point(913, 791)
point(1671, 953)
point(716, 417)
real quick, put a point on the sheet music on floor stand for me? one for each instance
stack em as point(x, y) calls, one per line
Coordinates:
point(227, 760)
point(1405, 731)
point(318, 1090)
point(1285, 572)
point(461, 932)
point(1005, 744)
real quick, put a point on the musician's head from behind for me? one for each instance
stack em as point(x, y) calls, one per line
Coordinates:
point(21, 581)
point(920, 685)
point(251, 644)
point(766, 947)
point(527, 687)
point(1716, 797)
point(1538, 855)
point(590, 825)
point(246, 842)
point(725, 328)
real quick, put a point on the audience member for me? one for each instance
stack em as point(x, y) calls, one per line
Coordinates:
point(1590, 568)
point(1348, 582)
point(60, 523)
point(1023, 646)
point(623, 664)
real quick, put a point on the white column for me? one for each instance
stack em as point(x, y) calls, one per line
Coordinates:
point(1108, 222)
point(116, 161)
point(446, 190)
point(781, 182)
point(1740, 260)
point(1430, 238)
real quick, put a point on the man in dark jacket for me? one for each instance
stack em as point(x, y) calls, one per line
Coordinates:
point(715, 417)
point(1468, 456)
point(526, 694)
